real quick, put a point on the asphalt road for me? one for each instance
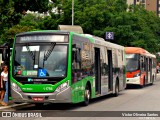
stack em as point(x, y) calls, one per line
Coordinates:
point(131, 99)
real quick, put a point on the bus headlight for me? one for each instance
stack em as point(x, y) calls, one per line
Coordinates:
point(16, 87)
point(62, 86)
point(136, 75)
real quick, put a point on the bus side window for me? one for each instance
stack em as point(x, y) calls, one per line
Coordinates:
point(143, 66)
point(141, 63)
point(76, 58)
point(82, 63)
point(76, 63)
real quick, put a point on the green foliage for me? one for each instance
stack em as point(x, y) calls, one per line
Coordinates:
point(48, 24)
point(9, 34)
point(132, 26)
point(28, 22)
point(32, 5)
point(12, 20)
point(8, 18)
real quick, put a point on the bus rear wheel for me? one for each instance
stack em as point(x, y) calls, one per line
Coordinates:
point(87, 96)
point(116, 90)
point(152, 80)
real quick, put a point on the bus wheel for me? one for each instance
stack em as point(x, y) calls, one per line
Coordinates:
point(144, 83)
point(152, 80)
point(116, 90)
point(87, 95)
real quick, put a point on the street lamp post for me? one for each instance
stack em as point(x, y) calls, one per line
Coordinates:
point(72, 12)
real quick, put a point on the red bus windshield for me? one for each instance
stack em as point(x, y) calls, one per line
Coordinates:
point(132, 62)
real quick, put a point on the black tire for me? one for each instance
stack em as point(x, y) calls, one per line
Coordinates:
point(87, 96)
point(116, 89)
point(152, 80)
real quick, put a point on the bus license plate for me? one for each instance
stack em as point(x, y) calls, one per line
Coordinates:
point(39, 99)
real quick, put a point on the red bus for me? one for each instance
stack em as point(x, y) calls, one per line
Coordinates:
point(140, 66)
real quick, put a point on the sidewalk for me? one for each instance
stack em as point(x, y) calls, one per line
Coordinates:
point(11, 104)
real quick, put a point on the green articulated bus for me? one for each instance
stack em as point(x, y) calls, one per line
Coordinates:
point(64, 67)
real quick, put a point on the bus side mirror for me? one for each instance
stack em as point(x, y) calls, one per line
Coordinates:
point(4, 54)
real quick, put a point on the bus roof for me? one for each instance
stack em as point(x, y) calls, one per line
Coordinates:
point(138, 50)
point(101, 41)
point(43, 32)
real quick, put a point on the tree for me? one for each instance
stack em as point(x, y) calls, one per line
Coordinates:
point(21, 6)
point(132, 26)
point(28, 22)
point(11, 12)
point(8, 17)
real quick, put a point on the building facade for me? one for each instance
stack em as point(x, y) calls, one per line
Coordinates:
point(158, 8)
point(130, 2)
point(150, 5)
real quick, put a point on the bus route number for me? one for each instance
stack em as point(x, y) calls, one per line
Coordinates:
point(47, 88)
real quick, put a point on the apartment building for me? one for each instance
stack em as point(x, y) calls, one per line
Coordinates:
point(150, 5)
point(130, 2)
point(158, 8)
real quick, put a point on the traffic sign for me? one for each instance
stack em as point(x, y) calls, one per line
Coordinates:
point(109, 35)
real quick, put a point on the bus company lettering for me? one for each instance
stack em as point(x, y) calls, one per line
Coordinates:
point(79, 88)
point(27, 89)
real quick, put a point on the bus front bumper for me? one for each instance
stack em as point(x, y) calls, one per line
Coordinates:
point(135, 80)
point(61, 97)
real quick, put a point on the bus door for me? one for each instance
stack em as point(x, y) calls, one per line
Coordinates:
point(150, 69)
point(110, 70)
point(97, 71)
point(146, 65)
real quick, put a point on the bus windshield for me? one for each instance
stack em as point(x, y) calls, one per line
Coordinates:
point(40, 60)
point(132, 62)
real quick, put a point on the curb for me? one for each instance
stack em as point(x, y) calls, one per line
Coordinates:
point(12, 105)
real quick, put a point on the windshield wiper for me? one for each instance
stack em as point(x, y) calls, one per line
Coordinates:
point(30, 53)
point(48, 53)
